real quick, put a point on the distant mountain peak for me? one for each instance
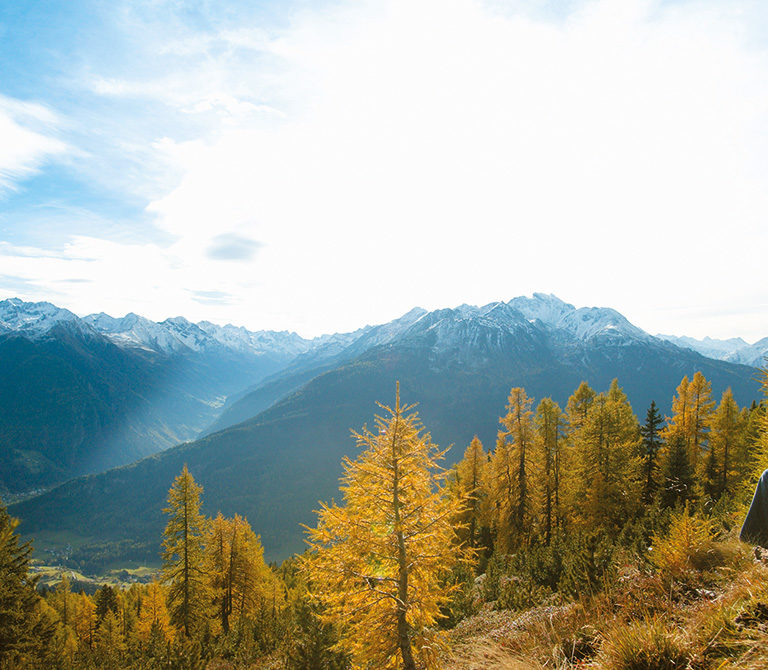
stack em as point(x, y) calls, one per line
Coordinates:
point(33, 319)
point(733, 350)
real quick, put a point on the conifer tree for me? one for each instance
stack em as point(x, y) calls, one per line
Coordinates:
point(153, 615)
point(701, 408)
point(652, 444)
point(550, 426)
point(183, 554)
point(678, 423)
point(724, 445)
point(240, 579)
point(677, 473)
point(578, 406)
point(606, 464)
point(377, 560)
point(471, 480)
point(24, 632)
point(512, 465)
point(84, 620)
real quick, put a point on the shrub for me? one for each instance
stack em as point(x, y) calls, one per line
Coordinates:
point(645, 645)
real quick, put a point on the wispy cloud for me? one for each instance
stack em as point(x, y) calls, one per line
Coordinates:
point(27, 140)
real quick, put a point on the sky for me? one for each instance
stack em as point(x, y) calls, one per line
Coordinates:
point(316, 166)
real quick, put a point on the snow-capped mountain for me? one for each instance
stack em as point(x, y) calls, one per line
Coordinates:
point(34, 319)
point(276, 449)
point(583, 323)
point(734, 350)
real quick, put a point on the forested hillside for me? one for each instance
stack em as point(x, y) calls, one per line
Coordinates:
point(459, 363)
point(580, 537)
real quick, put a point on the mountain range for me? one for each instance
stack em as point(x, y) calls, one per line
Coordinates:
point(276, 447)
point(734, 349)
point(80, 395)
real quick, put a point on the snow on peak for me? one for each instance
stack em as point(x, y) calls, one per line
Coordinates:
point(733, 350)
point(583, 323)
point(32, 318)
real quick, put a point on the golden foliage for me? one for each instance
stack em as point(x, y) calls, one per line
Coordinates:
point(377, 560)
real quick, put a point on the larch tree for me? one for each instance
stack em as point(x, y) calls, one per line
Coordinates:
point(512, 464)
point(578, 406)
point(550, 442)
point(470, 481)
point(183, 556)
point(240, 581)
point(376, 561)
point(606, 461)
point(678, 423)
point(153, 615)
point(725, 440)
point(702, 408)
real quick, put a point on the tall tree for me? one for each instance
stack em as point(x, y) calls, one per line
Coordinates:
point(183, 554)
point(241, 582)
point(652, 444)
point(24, 631)
point(702, 408)
point(578, 406)
point(677, 473)
point(153, 616)
point(606, 462)
point(377, 560)
point(470, 480)
point(550, 426)
point(512, 464)
point(725, 441)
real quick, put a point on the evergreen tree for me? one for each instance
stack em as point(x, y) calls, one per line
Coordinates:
point(106, 601)
point(652, 443)
point(24, 632)
point(183, 554)
point(377, 561)
point(677, 473)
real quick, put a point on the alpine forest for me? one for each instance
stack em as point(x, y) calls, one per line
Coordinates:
point(586, 536)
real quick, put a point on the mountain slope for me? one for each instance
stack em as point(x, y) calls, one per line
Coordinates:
point(82, 395)
point(459, 364)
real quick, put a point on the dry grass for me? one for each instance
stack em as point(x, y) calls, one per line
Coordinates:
point(715, 617)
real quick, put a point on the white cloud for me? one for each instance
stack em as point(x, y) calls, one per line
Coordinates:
point(437, 152)
point(26, 141)
point(433, 152)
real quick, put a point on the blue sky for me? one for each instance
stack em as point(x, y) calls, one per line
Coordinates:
point(319, 165)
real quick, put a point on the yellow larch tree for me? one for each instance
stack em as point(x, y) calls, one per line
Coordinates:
point(183, 542)
point(606, 469)
point(376, 561)
point(552, 468)
point(702, 410)
point(725, 439)
point(692, 410)
point(470, 482)
point(153, 614)
point(241, 582)
point(512, 464)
